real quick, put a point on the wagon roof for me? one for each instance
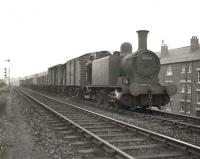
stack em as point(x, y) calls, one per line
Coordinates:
point(58, 65)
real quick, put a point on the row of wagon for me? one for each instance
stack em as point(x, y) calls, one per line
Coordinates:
point(71, 73)
point(36, 79)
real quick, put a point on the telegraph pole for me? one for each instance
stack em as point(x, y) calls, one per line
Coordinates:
point(186, 87)
point(8, 71)
point(5, 72)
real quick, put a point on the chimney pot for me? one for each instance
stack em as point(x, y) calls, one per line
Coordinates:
point(194, 43)
point(164, 50)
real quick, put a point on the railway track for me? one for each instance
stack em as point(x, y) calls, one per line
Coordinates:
point(181, 127)
point(116, 138)
point(189, 122)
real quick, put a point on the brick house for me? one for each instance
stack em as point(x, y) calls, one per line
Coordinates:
point(181, 67)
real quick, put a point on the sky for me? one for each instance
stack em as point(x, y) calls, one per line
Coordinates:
point(37, 34)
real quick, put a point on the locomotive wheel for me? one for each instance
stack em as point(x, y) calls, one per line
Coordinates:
point(125, 107)
point(108, 101)
point(103, 100)
point(117, 105)
point(100, 99)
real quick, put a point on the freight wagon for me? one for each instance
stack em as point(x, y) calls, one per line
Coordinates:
point(40, 79)
point(71, 75)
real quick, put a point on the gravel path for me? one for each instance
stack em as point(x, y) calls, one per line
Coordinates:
point(46, 138)
point(20, 141)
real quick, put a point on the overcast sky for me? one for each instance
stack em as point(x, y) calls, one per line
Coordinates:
point(37, 34)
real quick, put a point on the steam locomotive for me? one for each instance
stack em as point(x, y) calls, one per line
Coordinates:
point(124, 78)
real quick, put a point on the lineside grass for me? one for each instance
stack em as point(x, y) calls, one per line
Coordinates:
point(3, 120)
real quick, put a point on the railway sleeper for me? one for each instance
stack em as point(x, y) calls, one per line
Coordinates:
point(139, 147)
point(73, 138)
point(162, 155)
point(60, 128)
point(91, 151)
point(102, 132)
point(66, 132)
point(99, 127)
point(113, 141)
point(82, 120)
point(81, 144)
point(116, 135)
point(59, 124)
point(52, 121)
point(89, 121)
point(105, 130)
point(91, 124)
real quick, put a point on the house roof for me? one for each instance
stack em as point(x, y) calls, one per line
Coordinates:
point(180, 55)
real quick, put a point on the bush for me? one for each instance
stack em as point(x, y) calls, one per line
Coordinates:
point(2, 84)
point(3, 99)
point(3, 134)
point(3, 104)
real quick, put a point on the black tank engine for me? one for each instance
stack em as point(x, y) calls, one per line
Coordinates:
point(132, 78)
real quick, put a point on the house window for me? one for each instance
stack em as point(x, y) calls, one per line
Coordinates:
point(189, 108)
point(198, 76)
point(182, 105)
point(189, 88)
point(198, 97)
point(183, 67)
point(189, 68)
point(168, 81)
point(183, 88)
point(169, 70)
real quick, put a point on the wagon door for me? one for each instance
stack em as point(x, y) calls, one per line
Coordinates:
point(68, 73)
point(72, 73)
point(55, 76)
point(77, 72)
point(49, 76)
point(59, 75)
point(63, 76)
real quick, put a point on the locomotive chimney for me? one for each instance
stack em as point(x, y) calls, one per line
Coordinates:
point(142, 39)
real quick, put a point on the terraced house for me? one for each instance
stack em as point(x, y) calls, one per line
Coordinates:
point(181, 67)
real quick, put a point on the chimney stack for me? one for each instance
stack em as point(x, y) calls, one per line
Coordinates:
point(164, 49)
point(194, 45)
point(142, 39)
